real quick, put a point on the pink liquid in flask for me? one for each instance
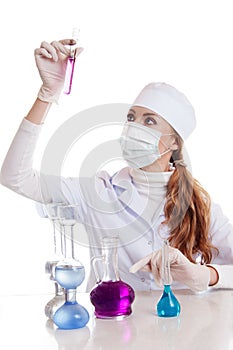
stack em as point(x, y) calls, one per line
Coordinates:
point(112, 299)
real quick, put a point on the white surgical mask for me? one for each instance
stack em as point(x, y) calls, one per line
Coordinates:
point(139, 145)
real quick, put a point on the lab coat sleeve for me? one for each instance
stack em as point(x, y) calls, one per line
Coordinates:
point(225, 276)
point(17, 171)
point(221, 231)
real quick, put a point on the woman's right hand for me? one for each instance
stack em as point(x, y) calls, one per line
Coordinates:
point(195, 276)
point(51, 61)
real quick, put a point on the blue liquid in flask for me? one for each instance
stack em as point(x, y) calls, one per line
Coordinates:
point(71, 315)
point(69, 277)
point(168, 305)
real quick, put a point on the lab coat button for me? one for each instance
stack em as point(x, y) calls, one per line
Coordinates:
point(143, 279)
point(149, 242)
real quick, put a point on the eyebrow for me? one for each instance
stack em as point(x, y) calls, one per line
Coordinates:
point(146, 114)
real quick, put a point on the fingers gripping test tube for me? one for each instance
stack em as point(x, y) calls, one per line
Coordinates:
point(71, 63)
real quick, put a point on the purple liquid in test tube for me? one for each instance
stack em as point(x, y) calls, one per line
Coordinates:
point(69, 75)
point(71, 63)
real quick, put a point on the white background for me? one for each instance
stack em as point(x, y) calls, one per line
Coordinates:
point(127, 44)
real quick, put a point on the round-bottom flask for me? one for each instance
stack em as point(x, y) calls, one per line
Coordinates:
point(54, 304)
point(112, 298)
point(71, 315)
point(69, 274)
point(59, 298)
point(168, 305)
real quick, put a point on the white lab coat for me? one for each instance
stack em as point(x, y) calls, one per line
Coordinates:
point(109, 205)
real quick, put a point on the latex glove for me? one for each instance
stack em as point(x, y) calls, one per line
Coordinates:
point(51, 61)
point(195, 276)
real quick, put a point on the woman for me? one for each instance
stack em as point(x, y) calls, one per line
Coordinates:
point(156, 198)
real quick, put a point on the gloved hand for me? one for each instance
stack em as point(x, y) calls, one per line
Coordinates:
point(195, 276)
point(51, 61)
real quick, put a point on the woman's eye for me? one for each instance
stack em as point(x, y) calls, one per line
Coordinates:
point(150, 121)
point(130, 117)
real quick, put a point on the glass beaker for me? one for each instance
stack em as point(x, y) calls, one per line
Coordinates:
point(112, 298)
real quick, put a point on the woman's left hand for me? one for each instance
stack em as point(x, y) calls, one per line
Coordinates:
point(195, 276)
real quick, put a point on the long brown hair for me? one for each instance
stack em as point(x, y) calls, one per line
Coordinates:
point(187, 212)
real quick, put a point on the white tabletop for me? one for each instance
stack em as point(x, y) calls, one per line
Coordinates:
point(205, 322)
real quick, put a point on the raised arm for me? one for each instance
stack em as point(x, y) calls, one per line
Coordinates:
point(17, 172)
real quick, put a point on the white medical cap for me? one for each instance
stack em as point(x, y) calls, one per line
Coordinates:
point(170, 104)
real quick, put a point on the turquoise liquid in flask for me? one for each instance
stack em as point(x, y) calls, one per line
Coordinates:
point(168, 305)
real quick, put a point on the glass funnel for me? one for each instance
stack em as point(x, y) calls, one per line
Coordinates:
point(112, 298)
point(70, 273)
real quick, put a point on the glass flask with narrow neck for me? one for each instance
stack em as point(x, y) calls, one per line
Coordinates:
point(111, 297)
point(69, 274)
point(168, 305)
point(59, 298)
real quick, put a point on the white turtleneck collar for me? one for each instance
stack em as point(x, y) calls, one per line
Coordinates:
point(152, 187)
point(154, 180)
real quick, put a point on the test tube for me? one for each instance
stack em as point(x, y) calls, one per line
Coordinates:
point(71, 63)
point(166, 275)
